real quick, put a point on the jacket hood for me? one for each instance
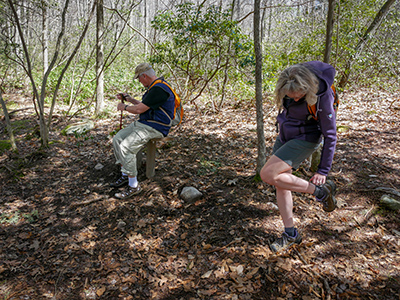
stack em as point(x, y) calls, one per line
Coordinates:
point(325, 72)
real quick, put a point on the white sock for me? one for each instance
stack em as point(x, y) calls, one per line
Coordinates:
point(124, 174)
point(133, 182)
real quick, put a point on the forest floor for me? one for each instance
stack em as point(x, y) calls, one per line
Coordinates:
point(64, 236)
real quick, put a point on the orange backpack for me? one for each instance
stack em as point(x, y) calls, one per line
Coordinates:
point(312, 109)
point(178, 108)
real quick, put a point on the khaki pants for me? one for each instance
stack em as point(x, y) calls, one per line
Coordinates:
point(128, 142)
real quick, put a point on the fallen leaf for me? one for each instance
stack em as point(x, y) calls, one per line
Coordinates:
point(285, 264)
point(207, 274)
point(100, 291)
point(252, 273)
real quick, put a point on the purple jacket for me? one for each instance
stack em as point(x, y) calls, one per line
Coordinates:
point(294, 121)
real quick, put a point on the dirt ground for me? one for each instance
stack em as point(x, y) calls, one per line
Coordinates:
point(64, 236)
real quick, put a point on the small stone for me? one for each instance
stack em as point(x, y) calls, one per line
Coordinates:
point(232, 182)
point(99, 166)
point(121, 224)
point(390, 203)
point(79, 128)
point(190, 193)
point(271, 206)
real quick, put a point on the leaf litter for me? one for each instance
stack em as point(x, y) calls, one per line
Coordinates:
point(82, 243)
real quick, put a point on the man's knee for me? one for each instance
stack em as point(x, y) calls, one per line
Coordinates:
point(118, 137)
point(115, 142)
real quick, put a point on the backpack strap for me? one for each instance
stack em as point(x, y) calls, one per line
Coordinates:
point(178, 109)
point(336, 98)
point(312, 109)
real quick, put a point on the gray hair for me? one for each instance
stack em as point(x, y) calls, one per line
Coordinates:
point(297, 78)
point(150, 73)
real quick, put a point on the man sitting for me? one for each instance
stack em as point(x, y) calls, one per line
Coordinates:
point(156, 111)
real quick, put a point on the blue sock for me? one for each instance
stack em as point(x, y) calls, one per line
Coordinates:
point(290, 231)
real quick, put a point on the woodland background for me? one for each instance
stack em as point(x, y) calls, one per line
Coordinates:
point(64, 236)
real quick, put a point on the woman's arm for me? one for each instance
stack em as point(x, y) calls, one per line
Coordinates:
point(327, 123)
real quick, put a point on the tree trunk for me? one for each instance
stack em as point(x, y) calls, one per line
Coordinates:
point(8, 123)
point(154, 30)
point(315, 158)
point(261, 157)
point(233, 5)
point(100, 58)
point(145, 24)
point(226, 65)
point(44, 135)
point(360, 45)
point(329, 30)
point(45, 37)
point(237, 9)
point(269, 22)
point(40, 97)
point(262, 22)
point(67, 64)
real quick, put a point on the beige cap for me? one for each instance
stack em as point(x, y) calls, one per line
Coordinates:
point(141, 68)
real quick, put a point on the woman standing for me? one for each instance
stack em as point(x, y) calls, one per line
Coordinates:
point(298, 88)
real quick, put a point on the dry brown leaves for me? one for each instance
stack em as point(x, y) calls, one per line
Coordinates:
point(82, 243)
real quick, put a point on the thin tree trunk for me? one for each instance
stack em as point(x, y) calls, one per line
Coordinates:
point(367, 35)
point(329, 30)
point(261, 157)
point(100, 58)
point(337, 32)
point(315, 158)
point(270, 22)
point(44, 134)
point(71, 57)
point(145, 24)
point(237, 9)
point(28, 69)
point(155, 31)
point(8, 123)
point(45, 37)
point(226, 65)
point(263, 22)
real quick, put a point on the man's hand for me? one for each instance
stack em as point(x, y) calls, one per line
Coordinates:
point(126, 97)
point(121, 106)
point(122, 96)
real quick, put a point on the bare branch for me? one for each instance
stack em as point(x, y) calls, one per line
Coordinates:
point(69, 62)
point(145, 38)
point(275, 6)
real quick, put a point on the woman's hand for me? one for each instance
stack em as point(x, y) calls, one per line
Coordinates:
point(318, 179)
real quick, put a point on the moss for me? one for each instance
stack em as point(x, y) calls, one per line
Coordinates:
point(257, 178)
point(20, 125)
point(56, 142)
point(11, 105)
point(4, 145)
point(342, 128)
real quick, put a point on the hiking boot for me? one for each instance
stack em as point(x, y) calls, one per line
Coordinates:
point(128, 192)
point(285, 241)
point(120, 181)
point(329, 201)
